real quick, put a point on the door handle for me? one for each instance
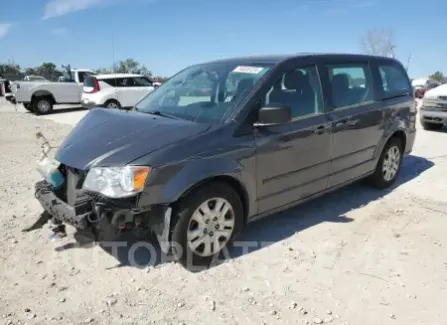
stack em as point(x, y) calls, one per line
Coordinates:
point(353, 122)
point(341, 123)
point(321, 129)
point(347, 122)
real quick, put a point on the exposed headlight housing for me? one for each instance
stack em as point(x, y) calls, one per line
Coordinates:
point(117, 182)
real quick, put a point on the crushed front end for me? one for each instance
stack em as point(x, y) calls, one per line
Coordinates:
point(64, 196)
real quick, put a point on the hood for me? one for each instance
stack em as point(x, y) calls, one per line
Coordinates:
point(438, 91)
point(106, 137)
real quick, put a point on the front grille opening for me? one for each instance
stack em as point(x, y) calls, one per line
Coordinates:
point(65, 193)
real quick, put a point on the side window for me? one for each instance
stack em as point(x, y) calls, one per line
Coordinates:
point(394, 80)
point(81, 76)
point(299, 89)
point(142, 82)
point(121, 82)
point(128, 82)
point(110, 81)
point(351, 84)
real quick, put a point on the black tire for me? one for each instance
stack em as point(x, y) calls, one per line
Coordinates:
point(431, 126)
point(113, 104)
point(28, 107)
point(42, 105)
point(182, 215)
point(378, 179)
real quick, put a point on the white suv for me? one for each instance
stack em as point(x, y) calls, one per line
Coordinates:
point(115, 90)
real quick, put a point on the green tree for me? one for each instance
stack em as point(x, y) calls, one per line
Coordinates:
point(160, 79)
point(30, 71)
point(103, 70)
point(144, 71)
point(10, 70)
point(131, 66)
point(48, 70)
point(438, 76)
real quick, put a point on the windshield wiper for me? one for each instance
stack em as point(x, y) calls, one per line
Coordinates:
point(158, 113)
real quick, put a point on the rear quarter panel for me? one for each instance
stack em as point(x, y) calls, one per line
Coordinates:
point(63, 92)
point(400, 116)
point(400, 112)
point(100, 97)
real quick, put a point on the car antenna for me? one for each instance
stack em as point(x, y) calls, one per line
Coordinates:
point(113, 61)
point(408, 62)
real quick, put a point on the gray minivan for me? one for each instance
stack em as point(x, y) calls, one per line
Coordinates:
point(251, 136)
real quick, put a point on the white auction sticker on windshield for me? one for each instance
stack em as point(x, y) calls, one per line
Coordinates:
point(248, 69)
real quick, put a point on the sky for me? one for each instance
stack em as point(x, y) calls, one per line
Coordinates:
point(167, 35)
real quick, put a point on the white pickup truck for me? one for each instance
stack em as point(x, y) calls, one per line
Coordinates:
point(41, 96)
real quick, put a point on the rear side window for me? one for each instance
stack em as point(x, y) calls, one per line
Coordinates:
point(110, 81)
point(142, 82)
point(394, 80)
point(351, 84)
point(119, 82)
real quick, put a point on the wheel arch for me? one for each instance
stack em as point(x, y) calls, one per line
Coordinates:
point(396, 133)
point(231, 182)
point(401, 136)
point(112, 100)
point(43, 93)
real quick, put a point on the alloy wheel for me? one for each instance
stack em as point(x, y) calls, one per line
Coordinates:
point(391, 163)
point(211, 227)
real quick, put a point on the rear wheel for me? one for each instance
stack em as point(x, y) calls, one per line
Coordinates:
point(205, 222)
point(112, 103)
point(431, 126)
point(42, 105)
point(389, 164)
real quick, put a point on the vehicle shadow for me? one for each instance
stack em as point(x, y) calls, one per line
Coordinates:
point(442, 130)
point(57, 110)
point(132, 251)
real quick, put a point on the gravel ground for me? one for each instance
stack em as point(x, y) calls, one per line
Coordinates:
point(357, 256)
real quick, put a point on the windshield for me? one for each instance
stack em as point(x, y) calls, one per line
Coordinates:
point(205, 93)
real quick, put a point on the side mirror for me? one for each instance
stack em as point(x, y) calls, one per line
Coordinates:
point(273, 115)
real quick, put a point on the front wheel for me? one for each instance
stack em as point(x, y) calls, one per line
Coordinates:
point(114, 104)
point(431, 126)
point(205, 222)
point(389, 164)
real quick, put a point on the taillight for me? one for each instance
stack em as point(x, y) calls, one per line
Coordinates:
point(96, 88)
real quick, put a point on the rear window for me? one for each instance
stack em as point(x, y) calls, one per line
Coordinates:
point(395, 81)
point(89, 82)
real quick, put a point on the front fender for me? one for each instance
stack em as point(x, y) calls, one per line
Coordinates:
point(169, 183)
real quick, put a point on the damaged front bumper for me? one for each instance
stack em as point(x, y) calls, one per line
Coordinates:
point(61, 195)
point(89, 209)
